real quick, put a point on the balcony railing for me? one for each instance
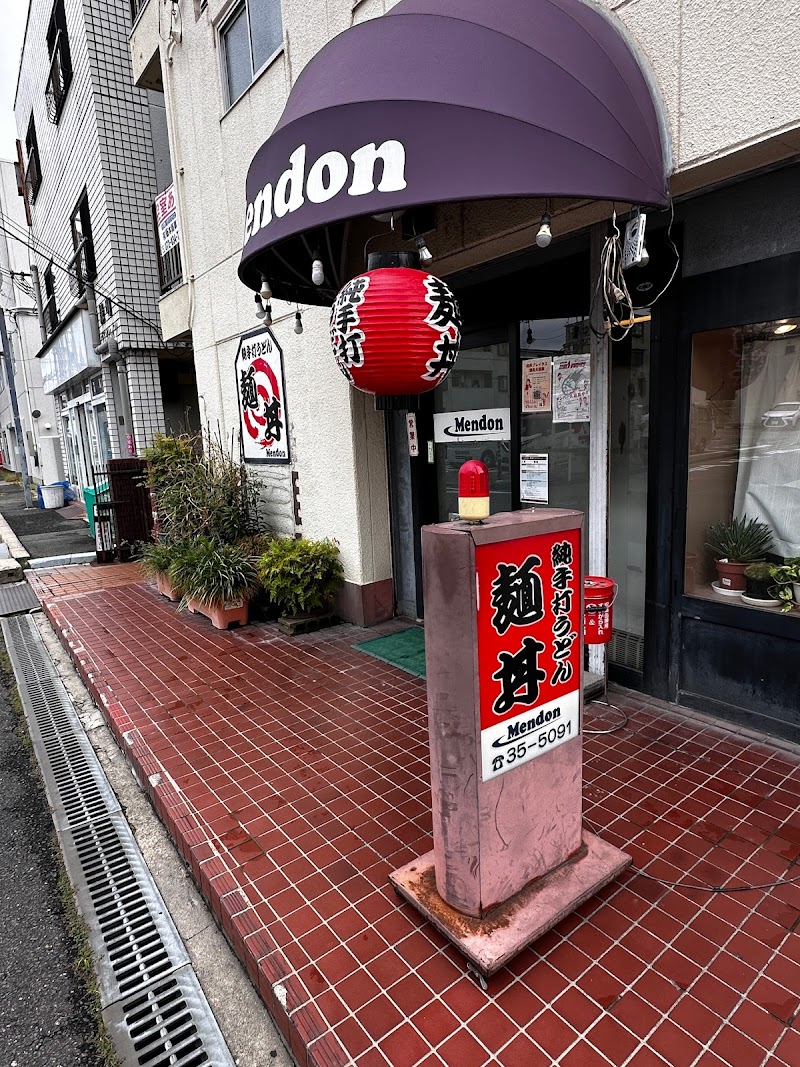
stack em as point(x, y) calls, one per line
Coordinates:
point(80, 267)
point(136, 7)
point(50, 314)
point(165, 221)
point(33, 175)
point(59, 78)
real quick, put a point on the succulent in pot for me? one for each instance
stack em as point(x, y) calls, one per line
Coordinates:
point(216, 580)
point(735, 545)
point(759, 581)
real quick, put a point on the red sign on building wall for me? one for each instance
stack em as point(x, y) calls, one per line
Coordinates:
point(529, 647)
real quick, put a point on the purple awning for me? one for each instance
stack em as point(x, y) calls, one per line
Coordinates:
point(449, 100)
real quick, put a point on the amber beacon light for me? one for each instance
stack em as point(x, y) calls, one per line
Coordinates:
point(473, 491)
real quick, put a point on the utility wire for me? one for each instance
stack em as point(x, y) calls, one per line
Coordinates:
point(38, 247)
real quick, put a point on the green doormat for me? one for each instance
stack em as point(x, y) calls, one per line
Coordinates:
point(405, 650)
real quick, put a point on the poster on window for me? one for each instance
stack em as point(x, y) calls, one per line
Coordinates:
point(536, 385)
point(534, 477)
point(262, 398)
point(529, 647)
point(571, 388)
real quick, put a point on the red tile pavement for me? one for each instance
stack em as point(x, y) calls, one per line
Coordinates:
point(293, 776)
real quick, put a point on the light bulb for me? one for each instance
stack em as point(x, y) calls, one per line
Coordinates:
point(266, 292)
point(425, 254)
point(267, 315)
point(544, 236)
point(317, 271)
point(787, 327)
point(529, 337)
point(645, 257)
point(260, 310)
point(298, 322)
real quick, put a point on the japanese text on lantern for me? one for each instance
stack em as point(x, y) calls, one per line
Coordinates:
point(528, 647)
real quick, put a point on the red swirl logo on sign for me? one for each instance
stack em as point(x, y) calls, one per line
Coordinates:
point(262, 408)
point(529, 647)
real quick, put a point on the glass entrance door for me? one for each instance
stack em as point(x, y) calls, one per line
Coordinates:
point(554, 426)
point(472, 420)
point(629, 425)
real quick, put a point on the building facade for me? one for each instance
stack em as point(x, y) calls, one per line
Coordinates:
point(94, 157)
point(676, 434)
point(36, 408)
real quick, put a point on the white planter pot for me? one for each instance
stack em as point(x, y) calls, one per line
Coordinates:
point(53, 496)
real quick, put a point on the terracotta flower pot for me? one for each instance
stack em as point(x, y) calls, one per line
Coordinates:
point(165, 587)
point(234, 613)
point(731, 575)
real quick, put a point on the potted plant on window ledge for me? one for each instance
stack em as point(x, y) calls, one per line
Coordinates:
point(217, 581)
point(786, 583)
point(737, 544)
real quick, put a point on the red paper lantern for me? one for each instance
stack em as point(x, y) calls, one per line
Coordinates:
point(395, 331)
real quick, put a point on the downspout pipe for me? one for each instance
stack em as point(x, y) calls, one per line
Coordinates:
point(12, 389)
point(109, 353)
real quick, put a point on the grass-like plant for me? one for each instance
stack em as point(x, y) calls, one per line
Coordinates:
point(201, 489)
point(301, 576)
point(213, 574)
point(157, 558)
point(740, 540)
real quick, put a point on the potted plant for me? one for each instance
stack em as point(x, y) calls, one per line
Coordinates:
point(759, 581)
point(786, 583)
point(217, 581)
point(301, 577)
point(156, 560)
point(736, 544)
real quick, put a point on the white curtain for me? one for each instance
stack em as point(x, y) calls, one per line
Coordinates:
point(768, 478)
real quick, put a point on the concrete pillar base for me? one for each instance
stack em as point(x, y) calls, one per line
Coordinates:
point(491, 942)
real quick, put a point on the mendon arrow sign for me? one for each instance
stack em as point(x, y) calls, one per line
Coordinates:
point(483, 424)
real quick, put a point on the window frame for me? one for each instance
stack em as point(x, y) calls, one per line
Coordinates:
point(225, 24)
point(50, 306)
point(32, 184)
point(83, 264)
point(57, 39)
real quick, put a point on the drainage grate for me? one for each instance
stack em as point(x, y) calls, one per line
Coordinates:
point(17, 598)
point(152, 1002)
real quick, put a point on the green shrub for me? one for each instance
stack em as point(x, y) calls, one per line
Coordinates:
point(212, 573)
point(301, 576)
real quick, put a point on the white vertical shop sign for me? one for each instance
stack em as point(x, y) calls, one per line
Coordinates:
point(261, 396)
point(167, 220)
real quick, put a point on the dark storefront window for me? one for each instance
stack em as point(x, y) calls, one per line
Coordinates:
point(744, 447)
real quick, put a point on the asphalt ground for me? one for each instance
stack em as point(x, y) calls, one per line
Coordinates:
point(45, 1013)
point(43, 532)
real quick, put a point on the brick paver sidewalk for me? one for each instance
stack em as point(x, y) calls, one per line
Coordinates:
point(293, 776)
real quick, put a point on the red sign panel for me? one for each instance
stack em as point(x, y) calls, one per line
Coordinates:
point(529, 647)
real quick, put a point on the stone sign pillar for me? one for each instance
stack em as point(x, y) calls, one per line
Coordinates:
point(504, 655)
